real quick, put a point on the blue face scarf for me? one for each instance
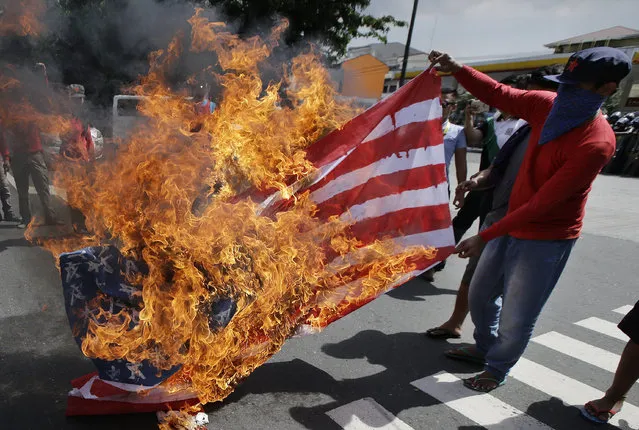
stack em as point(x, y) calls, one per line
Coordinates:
point(572, 107)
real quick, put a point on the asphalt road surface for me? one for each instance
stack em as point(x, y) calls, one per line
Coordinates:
point(374, 369)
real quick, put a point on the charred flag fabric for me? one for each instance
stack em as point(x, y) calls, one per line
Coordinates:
point(383, 172)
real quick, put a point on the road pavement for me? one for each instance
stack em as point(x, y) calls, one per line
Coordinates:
point(373, 369)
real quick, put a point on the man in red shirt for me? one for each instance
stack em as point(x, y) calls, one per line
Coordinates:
point(527, 250)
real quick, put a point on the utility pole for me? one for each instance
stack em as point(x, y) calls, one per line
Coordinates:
point(407, 50)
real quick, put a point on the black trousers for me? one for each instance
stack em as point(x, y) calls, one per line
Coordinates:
point(476, 205)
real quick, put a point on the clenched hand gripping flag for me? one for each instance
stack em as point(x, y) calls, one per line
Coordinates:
point(384, 172)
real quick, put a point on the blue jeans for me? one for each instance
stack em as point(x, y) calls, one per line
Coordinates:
point(511, 285)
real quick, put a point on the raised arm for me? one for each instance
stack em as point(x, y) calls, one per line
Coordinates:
point(529, 105)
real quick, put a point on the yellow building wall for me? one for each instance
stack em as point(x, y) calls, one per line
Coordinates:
point(363, 77)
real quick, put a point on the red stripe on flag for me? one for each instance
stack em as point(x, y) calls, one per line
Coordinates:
point(99, 388)
point(411, 136)
point(79, 382)
point(350, 306)
point(402, 223)
point(384, 185)
point(396, 224)
point(425, 87)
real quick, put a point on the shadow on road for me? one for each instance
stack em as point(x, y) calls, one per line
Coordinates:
point(418, 290)
point(557, 415)
point(14, 243)
point(390, 388)
point(35, 387)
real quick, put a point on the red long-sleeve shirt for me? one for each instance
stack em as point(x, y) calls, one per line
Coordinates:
point(549, 197)
point(78, 144)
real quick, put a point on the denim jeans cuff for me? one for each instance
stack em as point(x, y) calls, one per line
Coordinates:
point(499, 375)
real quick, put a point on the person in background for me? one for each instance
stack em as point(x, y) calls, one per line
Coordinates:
point(537, 78)
point(27, 161)
point(454, 146)
point(5, 192)
point(498, 180)
point(526, 251)
point(627, 374)
point(491, 135)
point(77, 147)
point(454, 137)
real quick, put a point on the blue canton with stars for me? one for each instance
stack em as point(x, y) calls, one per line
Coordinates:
point(97, 277)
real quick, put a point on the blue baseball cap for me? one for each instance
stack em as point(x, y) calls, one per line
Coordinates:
point(597, 65)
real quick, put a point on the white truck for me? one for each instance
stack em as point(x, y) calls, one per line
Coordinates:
point(126, 116)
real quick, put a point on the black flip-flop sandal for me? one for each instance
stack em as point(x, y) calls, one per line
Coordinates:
point(464, 354)
point(441, 333)
point(473, 383)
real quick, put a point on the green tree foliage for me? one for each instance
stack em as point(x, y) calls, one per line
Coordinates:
point(331, 24)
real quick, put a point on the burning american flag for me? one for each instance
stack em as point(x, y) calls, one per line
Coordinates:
point(310, 212)
point(383, 173)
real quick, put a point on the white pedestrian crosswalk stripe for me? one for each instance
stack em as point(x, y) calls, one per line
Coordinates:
point(624, 309)
point(570, 391)
point(481, 408)
point(604, 327)
point(580, 350)
point(492, 413)
point(366, 414)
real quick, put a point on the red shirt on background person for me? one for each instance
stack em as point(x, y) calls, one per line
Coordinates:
point(78, 144)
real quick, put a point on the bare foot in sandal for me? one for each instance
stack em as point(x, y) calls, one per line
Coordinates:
point(602, 410)
point(466, 353)
point(485, 382)
point(444, 331)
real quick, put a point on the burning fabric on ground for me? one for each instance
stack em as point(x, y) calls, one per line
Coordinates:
point(309, 214)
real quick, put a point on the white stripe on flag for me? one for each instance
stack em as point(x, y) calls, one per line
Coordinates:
point(414, 158)
point(483, 409)
point(624, 309)
point(312, 179)
point(436, 238)
point(418, 112)
point(570, 391)
point(423, 111)
point(603, 327)
point(373, 208)
point(384, 127)
point(366, 414)
point(574, 348)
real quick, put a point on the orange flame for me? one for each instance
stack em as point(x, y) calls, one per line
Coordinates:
point(22, 18)
point(275, 268)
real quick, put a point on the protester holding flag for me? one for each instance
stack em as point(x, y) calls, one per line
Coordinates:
point(497, 180)
point(526, 252)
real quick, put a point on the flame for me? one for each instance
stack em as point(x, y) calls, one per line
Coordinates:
point(276, 268)
point(22, 18)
